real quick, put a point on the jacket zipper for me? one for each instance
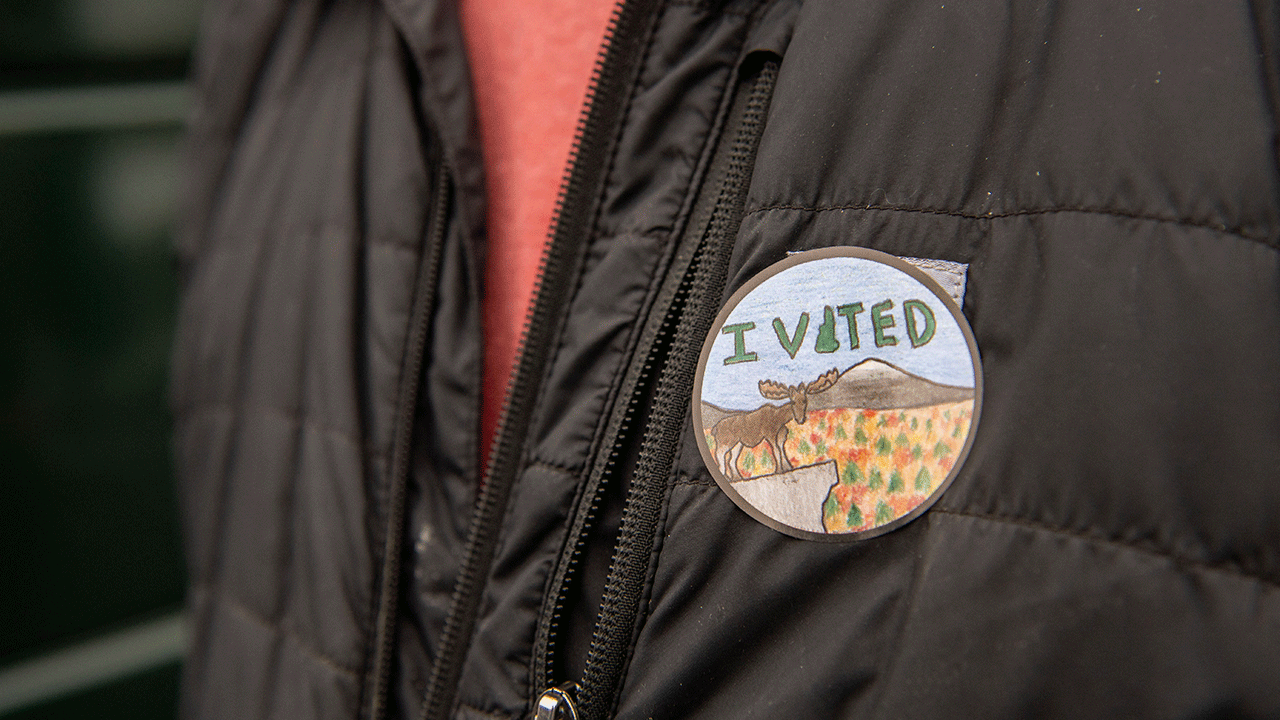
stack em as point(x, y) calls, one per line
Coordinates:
point(606, 98)
point(687, 306)
point(424, 293)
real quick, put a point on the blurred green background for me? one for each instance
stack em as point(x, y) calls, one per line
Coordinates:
point(92, 98)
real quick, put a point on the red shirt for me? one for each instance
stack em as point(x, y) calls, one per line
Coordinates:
point(531, 64)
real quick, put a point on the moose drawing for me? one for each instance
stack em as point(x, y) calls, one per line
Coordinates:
point(768, 423)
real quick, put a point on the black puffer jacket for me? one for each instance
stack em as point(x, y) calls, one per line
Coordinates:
point(1110, 547)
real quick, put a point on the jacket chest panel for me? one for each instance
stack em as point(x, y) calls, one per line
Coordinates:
point(655, 157)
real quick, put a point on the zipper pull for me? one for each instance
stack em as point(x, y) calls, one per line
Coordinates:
point(557, 703)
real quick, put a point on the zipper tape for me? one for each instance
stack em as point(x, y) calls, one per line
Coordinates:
point(607, 95)
point(379, 678)
point(609, 474)
point(692, 313)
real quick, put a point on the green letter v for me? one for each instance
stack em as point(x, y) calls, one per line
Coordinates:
point(791, 344)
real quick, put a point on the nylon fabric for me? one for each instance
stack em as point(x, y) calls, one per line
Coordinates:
point(1109, 549)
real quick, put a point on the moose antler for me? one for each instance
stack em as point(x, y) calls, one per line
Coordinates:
point(767, 423)
point(824, 381)
point(773, 390)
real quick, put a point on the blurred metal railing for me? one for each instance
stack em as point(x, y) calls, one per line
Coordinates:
point(122, 653)
point(92, 663)
point(107, 107)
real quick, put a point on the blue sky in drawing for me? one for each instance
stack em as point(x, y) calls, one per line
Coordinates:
point(809, 287)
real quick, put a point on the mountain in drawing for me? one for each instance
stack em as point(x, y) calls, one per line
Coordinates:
point(877, 385)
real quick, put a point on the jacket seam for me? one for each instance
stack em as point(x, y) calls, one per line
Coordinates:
point(1181, 560)
point(223, 244)
point(229, 129)
point(298, 437)
point(1105, 211)
point(554, 466)
point(1092, 537)
point(241, 608)
point(229, 452)
point(572, 474)
point(683, 478)
point(630, 349)
point(704, 6)
point(193, 412)
point(485, 713)
point(891, 663)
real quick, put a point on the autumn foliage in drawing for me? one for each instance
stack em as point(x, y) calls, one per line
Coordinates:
point(888, 461)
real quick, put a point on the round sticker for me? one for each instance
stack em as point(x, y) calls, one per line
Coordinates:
point(837, 394)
